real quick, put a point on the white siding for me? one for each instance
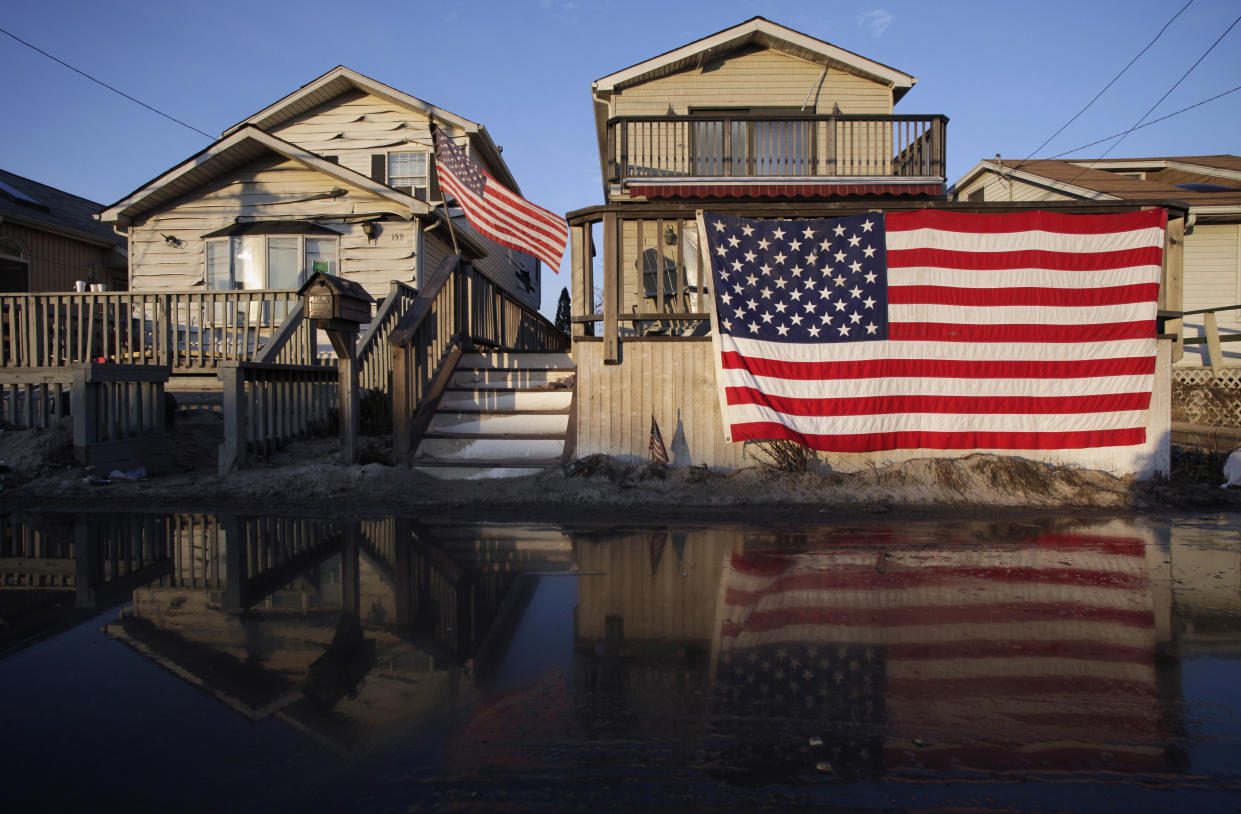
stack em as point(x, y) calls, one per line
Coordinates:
point(273, 188)
point(1212, 269)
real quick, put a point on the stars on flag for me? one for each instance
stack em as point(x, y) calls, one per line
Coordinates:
point(764, 269)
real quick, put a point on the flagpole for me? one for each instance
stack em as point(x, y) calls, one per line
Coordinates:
point(452, 233)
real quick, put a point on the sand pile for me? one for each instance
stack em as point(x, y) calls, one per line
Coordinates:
point(308, 477)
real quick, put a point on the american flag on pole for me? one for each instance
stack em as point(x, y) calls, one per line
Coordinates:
point(659, 453)
point(497, 212)
point(937, 330)
point(1036, 653)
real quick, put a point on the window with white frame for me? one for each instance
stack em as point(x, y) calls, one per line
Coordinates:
point(268, 261)
point(409, 173)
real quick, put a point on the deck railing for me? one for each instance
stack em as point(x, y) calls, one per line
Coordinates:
point(188, 331)
point(796, 145)
point(1211, 336)
point(459, 309)
point(374, 360)
point(268, 405)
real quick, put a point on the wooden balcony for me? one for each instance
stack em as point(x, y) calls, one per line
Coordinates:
point(833, 149)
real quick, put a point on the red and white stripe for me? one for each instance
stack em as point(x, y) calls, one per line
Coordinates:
point(1038, 652)
point(1006, 331)
point(511, 220)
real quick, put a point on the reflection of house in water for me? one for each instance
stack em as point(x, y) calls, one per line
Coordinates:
point(349, 630)
point(881, 652)
point(57, 571)
point(345, 629)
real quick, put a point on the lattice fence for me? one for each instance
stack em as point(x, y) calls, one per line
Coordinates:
point(1201, 396)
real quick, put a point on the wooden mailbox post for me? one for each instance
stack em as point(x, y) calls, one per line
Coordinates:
point(339, 307)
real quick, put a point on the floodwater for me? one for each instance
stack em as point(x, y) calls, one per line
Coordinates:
point(189, 662)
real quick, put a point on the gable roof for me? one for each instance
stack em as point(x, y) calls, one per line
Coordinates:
point(35, 204)
point(343, 80)
point(229, 153)
point(1103, 179)
point(763, 32)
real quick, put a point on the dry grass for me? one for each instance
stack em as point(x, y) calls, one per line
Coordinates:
point(781, 456)
point(949, 476)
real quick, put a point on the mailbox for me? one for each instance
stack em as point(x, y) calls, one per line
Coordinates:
point(330, 297)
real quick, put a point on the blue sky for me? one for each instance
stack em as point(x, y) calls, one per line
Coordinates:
point(1007, 74)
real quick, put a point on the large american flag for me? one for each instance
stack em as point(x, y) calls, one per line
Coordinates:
point(937, 330)
point(1034, 654)
point(497, 212)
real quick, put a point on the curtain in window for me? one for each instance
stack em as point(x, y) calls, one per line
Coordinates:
point(283, 264)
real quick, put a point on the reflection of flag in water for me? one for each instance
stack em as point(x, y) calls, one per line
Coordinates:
point(497, 735)
point(1035, 656)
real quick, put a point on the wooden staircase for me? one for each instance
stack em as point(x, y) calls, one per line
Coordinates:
point(503, 414)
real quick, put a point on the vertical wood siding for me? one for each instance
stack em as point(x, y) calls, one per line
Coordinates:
point(615, 402)
point(56, 262)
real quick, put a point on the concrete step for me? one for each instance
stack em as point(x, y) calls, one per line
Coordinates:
point(510, 378)
point(502, 423)
point(474, 470)
point(498, 448)
point(510, 400)
point(526, 361)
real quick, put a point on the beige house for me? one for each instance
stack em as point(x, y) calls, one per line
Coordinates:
point(1210, 185)
point(338, 176)
point(760, 121)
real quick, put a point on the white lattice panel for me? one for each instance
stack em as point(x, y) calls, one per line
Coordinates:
point(1202, 396)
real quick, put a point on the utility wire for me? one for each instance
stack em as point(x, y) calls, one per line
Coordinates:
point(1167, 93)
point(1146, 124)
point(1021, 163)
point(106, 85)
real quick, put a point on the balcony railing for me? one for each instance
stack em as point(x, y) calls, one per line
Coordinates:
point(793, 146)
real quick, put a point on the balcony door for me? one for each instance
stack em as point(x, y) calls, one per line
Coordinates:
point(741, 142)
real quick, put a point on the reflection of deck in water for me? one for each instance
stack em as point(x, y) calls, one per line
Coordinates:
point(1010, 651)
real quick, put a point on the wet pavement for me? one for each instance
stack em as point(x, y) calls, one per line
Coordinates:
point(241, 663)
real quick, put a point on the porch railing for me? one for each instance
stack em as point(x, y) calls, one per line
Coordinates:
point(1211, 337)
point(797, 145)
point(459, 309)
point(188, 331)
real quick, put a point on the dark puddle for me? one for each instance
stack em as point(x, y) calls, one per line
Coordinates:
point(258, 663)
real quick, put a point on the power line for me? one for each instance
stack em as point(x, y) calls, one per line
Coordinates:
point(1105, 87)
point(1146, 124)
point(1159, 101)
point(106, 85)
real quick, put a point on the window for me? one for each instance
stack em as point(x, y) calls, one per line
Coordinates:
point(14, 266)
point(408, 173)
point(268, 261)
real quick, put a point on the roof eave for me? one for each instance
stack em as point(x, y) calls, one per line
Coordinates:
point(210, 163)
point(769, 33)
point(57, 229)
point(345, 78)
